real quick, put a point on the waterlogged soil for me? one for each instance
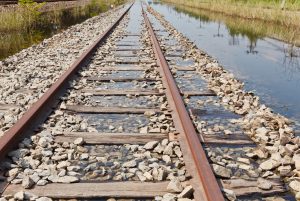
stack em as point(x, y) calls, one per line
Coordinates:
point(255, 52)
point(50, 23)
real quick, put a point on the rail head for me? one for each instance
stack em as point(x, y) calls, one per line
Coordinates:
point(205, 174)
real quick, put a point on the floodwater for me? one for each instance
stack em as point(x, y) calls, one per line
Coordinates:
point(49, 23)
point(254, 51)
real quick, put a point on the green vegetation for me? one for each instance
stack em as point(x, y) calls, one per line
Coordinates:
point(27, 15)
point(281, 12)
point(14, 42)
point(27, 25)
point(252, 29)
point(292, 5)
point(23, 17)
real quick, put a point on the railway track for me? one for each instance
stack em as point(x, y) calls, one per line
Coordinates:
point(121, 123)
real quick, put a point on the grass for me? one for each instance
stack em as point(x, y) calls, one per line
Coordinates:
point(265, 10)
point(19, 31)
point(252, 29)
point(12, 21)
point(24, 16)
point(14, 42)
point(291, 5)
point(27, 15)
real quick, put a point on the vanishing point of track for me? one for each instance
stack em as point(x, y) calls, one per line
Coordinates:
point(204, 182)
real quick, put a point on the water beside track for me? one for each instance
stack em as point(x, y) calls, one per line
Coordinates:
point(258, 53)
point(49, 23)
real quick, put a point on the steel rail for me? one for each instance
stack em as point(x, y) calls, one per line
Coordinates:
point(39, 111)
point(207, 178)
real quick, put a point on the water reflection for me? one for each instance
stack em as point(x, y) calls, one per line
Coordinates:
point(218, 33)
point(49, 24)
point(263, 55)
point(253, 30)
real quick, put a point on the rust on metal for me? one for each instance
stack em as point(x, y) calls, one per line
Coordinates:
point(37, 112)
point(209, 183)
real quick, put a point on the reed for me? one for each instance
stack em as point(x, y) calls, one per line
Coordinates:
point(18, 32)
point(252, 29)
point(11, 21)
point(27, 14)
point(265, 10)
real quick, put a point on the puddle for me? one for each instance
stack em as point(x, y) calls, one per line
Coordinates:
point(190, 82)
point(123, 101)
point(212, 117)
point(126, 74)
point(248, 49)
point(116, 123)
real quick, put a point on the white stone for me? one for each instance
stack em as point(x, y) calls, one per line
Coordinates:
point(243, 160)
point(298, 196)
point(296, 159)
point(73, 168)
point(284, 170)
point(44, 199)
point(150, 145)
point(35, 177)
point(130, 164)
point(43, 142)
point(144, 130)
point(63, 164)
point(67, 179)
point(175, 186)
point(42, 182)
point(230, 194)
point(84, 156)
point(27, 182)
point(264, 184)
point(19, 195)
point(13, 172)
point(148, 176)
point(178, 151)
point(162, 174)
point(295, 185)
point(141, 176)
point(167, 159)
point(187, 192)
point(262, 131)
point(169, 149)
point(79, 141)
point(269, 164)
point(222, 171)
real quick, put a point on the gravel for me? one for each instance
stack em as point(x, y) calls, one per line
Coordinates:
point(278, 148)
point(43, 160)
point(29, 73)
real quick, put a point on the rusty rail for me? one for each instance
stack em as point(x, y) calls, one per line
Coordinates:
point(205, 175)
point(37, 113)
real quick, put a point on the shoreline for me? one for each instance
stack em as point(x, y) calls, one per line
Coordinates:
point(49, 58)
point(49, 6)
point(259, 27)
point(53, 18)
point(280, 17)
point(271, 132)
